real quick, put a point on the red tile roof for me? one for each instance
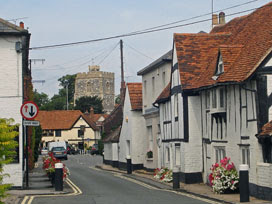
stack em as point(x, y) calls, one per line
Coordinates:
point(61, 119)
point(135, 95)
point(266, 129)
point(244, 42)
point(165, 94)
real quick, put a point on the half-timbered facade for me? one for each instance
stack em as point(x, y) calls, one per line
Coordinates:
point(218, 100)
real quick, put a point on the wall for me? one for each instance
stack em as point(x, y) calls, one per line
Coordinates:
point(11, 98)
point(71, 136)
point(108, 151)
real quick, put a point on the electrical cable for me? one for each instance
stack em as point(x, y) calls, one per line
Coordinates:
point(134, 33)
point(137, 51)
point(108, 54)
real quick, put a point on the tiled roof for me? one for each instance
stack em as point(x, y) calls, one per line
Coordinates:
point(135, 95)
point(163, 59)
point(6, 26)
point(165, 94)
point(113, 136)
point(266, 129)
point(61, 119)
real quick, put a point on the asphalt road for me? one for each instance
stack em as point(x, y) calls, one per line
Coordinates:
point(102, 187)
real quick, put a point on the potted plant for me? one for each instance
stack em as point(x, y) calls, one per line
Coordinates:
point(149, 154)
point(224, 177)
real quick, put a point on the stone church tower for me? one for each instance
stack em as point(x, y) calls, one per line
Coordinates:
point(96, 83)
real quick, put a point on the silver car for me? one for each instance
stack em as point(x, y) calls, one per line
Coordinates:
point(59, 152)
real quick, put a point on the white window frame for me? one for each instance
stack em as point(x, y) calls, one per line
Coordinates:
point(245, 155)
point(219, 153)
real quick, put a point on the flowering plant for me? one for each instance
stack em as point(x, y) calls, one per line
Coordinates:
point(149, 154)
point(224, 176)
point(49, 165)
point(163, 174)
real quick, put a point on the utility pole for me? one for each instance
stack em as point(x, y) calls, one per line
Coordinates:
point(122, 90)
point(67, 104)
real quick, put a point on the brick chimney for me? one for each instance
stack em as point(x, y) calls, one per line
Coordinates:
point(91, 111)
point(222, 18)
point(22, 25)
point(214, 20)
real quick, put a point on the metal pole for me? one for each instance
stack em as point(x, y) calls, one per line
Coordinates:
point(27, 178)
point(244, 183)
point(67, 104)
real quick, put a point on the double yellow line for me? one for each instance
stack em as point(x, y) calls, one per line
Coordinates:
point(76, 191)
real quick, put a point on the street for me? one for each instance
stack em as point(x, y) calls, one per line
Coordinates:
point(102, 187)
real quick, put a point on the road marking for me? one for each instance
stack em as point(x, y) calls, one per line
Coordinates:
point(165, 190)
point(24, 200)
point(76, 191)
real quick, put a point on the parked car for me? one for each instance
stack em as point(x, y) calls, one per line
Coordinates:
point(94, 149)
point(59, 152)
point(71, 150)
point(44, 151)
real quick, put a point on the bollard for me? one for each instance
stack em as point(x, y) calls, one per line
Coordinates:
point(175, 178)
point(59, 177)
point(129, 166)
point(244, 183)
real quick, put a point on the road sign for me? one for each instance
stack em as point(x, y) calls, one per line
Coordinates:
point(29, 110)
point(31, 123)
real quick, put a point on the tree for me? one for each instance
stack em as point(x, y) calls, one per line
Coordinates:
point(8, 133)
point(41, 99)
point(117, 99)
point(70, 80)
point(86, 102)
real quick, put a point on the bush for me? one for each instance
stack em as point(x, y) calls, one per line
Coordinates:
point(163, 174)
point(224, 176)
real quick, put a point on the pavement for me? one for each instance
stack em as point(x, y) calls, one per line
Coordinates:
point(200, 190)
point(39, 184)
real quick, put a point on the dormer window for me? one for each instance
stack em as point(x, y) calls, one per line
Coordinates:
point(220, 66)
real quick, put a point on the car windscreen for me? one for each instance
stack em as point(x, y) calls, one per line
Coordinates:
point(58, 149)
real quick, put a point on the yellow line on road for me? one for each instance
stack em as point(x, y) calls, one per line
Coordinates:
point(76, 191)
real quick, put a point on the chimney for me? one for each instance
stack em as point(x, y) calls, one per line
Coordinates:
point(22, 25)
point(214, 20)
point(91, 111)
point(222, 18)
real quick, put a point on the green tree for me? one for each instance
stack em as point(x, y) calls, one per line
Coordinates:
point(117, 99)
point(8, 132)
point(84, 103)
point(70, 80)
point(41, 99)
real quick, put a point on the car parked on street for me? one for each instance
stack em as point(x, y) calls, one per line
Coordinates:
point(59, 152)
point(94, 149)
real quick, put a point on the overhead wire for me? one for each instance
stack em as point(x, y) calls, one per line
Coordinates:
point(159, 28)
point(108, 54)
point(137, 51)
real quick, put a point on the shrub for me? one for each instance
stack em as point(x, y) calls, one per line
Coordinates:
point(163, 174)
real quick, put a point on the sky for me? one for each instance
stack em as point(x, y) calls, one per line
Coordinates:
point(63, 21)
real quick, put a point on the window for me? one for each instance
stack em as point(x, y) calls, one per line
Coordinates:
point(207, 99)
point(245, 155)
point(167, 155)
point(214, 99)
point(220, 153)
point(222, 98)
point(153, 86)
point(177, 154)
point(58, 133)
point(79, 133)
point(220, 66)
point(150, 136)
point(163, 79)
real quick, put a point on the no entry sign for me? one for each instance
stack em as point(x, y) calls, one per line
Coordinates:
point(29, 110)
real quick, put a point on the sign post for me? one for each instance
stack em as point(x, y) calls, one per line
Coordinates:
point(29, 110)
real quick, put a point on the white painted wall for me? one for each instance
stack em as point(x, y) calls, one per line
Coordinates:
point(11, 98)
point(132, 131)
point(108, 152)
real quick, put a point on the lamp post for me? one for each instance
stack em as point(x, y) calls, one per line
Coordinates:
point(67, 104)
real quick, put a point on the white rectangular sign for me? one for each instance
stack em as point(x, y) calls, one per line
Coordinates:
point(31, 123)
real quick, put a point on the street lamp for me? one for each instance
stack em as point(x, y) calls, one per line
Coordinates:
point(67, 104)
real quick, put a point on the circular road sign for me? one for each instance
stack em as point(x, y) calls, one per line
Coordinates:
point(29, 110)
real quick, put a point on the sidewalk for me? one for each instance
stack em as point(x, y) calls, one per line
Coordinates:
point(39, 184)
point(200, 190)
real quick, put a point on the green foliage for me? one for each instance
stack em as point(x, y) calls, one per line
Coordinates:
point(37, 134)
point(41, 99)
point(8, 132)
point(84, 103)
point(70, 80)
point(117, 99)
